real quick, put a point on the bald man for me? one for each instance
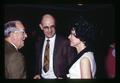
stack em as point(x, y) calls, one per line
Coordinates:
point(59, 53)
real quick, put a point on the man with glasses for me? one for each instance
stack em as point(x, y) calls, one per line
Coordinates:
point(59, 51)
point(15, 35)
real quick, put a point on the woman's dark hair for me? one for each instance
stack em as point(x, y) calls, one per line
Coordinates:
point(84, 30)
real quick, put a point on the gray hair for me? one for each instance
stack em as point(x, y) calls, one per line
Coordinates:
point(9, 27)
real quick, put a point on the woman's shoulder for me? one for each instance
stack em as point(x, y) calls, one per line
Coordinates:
point(88, 55)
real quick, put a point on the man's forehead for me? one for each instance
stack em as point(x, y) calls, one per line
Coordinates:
point(48, 16)
point(19, 24)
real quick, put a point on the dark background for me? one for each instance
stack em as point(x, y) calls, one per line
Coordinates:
point(102, 15)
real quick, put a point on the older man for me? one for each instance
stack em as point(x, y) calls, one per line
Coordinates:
point(15, 35)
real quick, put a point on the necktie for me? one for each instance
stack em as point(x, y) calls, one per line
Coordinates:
point(46, 57)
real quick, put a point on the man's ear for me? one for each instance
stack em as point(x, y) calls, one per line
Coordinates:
point(12, 35)
point(41, 26)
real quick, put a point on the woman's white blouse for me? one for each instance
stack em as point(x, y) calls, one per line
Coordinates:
point(75, 70)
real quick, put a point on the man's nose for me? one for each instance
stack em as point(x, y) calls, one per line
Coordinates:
point(49, 29)
point(25, 35)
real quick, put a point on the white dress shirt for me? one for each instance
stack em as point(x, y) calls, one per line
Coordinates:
point(50, 73)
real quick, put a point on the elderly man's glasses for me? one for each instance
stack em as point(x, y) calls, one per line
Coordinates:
point(20, 31)
point(13, 29)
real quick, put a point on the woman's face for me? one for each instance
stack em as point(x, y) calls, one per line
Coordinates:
point(74, 41)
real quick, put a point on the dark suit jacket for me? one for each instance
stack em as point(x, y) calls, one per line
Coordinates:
point(14, 63)
point(61, 56)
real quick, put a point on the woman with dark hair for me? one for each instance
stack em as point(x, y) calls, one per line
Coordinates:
point(81, 37)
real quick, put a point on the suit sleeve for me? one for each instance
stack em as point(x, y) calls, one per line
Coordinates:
point(16, 67)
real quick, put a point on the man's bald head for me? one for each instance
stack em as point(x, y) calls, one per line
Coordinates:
point(47, 17)
point(48, 25)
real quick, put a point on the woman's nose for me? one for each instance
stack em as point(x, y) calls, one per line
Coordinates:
point(69, 36)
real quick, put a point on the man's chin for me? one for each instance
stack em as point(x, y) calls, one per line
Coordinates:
point(50, 36)
point(21, 46)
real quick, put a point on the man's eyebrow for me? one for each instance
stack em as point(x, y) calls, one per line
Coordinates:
point(49, 26)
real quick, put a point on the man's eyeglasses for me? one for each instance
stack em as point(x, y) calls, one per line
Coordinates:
point(13, 29)
point(21, 31)
point(49, 27)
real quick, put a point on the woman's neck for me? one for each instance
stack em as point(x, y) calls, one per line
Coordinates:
point(80, 47)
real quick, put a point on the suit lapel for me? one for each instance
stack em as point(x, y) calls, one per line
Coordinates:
point(41, 48)
point(39, 52)
point(55, 47)
point(55, 53)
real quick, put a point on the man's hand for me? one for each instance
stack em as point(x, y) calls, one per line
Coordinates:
point(59, 78)
point(37, 77)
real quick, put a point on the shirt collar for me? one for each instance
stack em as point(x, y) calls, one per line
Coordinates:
point(13, 45)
